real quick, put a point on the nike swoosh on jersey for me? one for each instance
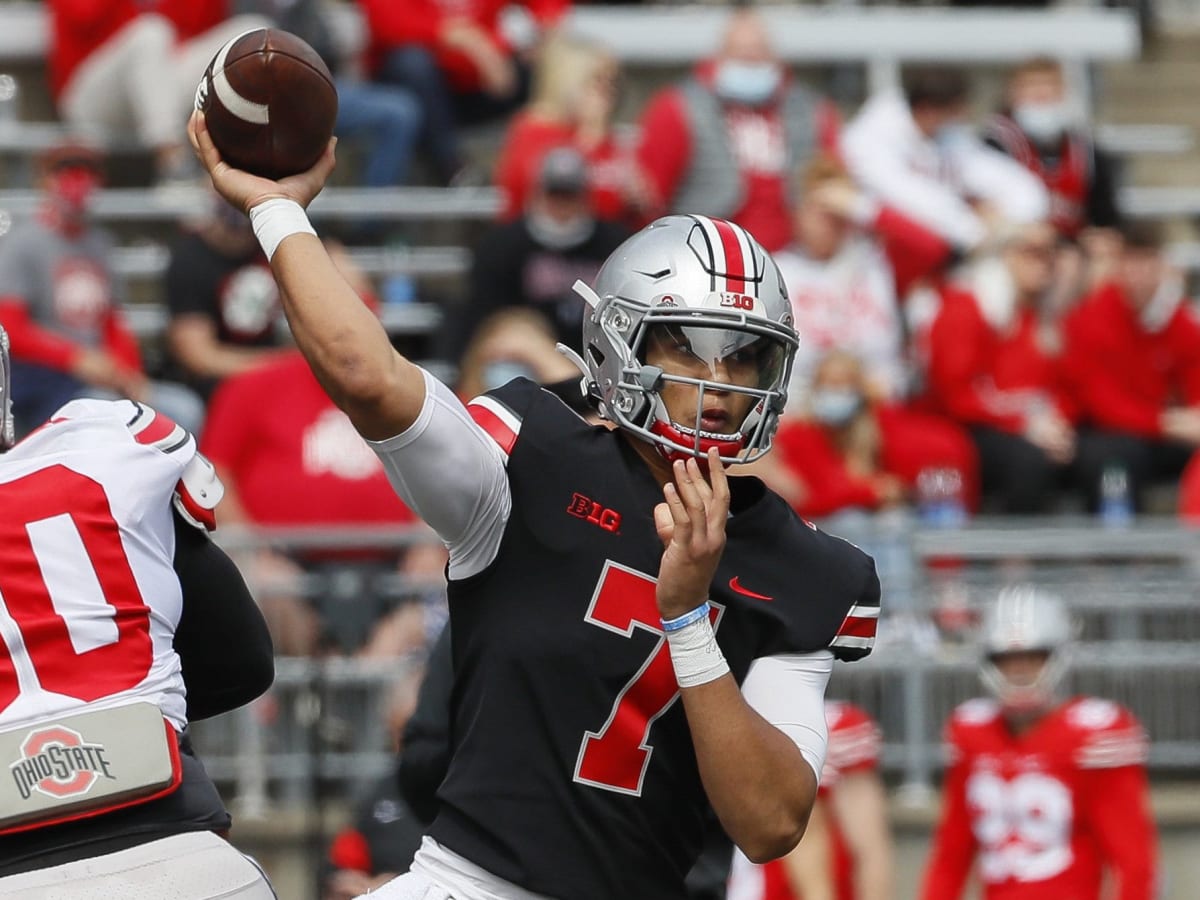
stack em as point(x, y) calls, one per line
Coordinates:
point(745, 592)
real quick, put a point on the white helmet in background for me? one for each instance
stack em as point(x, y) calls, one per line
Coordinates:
point(1025, 619)
point(7, 431)
point(716, 292)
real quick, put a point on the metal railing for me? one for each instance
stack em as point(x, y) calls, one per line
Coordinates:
point(1134, 592)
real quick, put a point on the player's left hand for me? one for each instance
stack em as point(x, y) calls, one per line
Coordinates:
point(691, 525)
point(245, 191)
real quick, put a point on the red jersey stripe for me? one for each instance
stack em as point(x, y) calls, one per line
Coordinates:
point(496, 428)
point(855, 626)
point(158, 428)
point(735, 264)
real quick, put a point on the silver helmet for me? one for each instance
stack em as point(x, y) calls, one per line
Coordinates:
point(1024, 619)
point(709, 288)
point(7, 431)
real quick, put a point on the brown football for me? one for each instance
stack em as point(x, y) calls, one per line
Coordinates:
point(269, 102)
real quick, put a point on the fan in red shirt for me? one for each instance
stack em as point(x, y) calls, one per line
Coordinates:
point(847, 852)
point(575, 93)
point(1048, 797)
point(727, 141)
point(994, 367)
point(454, 57)
point(853, 452)
point(1143, 414)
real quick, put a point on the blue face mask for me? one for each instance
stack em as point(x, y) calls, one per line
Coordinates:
point(836, 406)
point(953, 135)
point(502, 371)
point(751, 84)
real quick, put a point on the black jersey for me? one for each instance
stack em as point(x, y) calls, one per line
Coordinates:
point(574, 773)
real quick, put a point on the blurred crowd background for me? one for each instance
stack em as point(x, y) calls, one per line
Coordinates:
point(984, 217)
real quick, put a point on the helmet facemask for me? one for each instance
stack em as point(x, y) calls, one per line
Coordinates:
point(717, 352)
point(7, 429)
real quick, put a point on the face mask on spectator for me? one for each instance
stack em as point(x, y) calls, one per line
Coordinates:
point(556, 234)
point(1044, 123)
point(502, 371)
point(952, 135)
point(836, 406)
point(71, 190)
point(751, 84)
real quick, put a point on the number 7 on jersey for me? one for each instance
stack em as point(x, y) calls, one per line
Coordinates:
point(616, 756)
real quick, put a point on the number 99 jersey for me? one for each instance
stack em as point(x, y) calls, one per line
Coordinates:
point(89, 601)
point(1046, 812)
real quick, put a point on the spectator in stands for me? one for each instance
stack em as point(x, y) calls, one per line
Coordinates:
point(575, 93)
point(1040, 127)
point(1133, 358)
point(61, 304)
point(133, 65)
point(914, 150)
point(509, 343)
point(455, 59)
point(847, 270)
point(225, 316)
point(847, 852)
point(995, 368)
point(727, 141)
point(384, 119)
point(852, 452)
point(534, 261)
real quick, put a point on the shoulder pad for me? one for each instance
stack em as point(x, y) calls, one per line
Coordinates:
point(1109, 735)
point(854, 739)
point(153, 429)
point(979, 711)
point(198, 492)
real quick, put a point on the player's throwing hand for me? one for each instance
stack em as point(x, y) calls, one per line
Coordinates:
point(245, 191)
point(691, 525)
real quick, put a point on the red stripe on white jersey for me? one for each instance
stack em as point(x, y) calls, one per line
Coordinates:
point(497, 421)
point(735, 262)
point(156, 427)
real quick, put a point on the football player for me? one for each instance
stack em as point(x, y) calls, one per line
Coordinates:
point(120, 622)
point(847, 851)
point(635, 634)
point(1048, 795)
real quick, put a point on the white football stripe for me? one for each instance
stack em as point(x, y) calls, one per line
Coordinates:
point(239, 106)
point(863, 612)
point(845, 640)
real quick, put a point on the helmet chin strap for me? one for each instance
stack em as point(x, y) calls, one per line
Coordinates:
point(700, 441)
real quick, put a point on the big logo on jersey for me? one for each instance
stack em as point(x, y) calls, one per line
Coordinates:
point(57, 762)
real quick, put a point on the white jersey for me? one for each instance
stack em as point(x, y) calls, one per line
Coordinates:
point(89, 600)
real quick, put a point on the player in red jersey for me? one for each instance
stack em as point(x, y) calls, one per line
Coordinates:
point(1047, 796)
point(847, 851)
point(638, 638)
point(120, 622)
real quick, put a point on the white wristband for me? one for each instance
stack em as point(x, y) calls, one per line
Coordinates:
point(695, 655)
point(274, 220)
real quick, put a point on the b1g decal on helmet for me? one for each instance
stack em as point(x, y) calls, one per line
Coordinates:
point(706, 286)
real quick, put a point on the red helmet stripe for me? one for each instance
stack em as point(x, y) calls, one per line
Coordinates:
point(735, 264)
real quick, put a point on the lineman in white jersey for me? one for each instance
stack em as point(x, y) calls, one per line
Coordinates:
point(120, 622)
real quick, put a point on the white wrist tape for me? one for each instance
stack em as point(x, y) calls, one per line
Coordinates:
point(274, 220)
point(695, 655)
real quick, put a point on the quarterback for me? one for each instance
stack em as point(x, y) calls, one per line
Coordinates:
point(636, 634)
